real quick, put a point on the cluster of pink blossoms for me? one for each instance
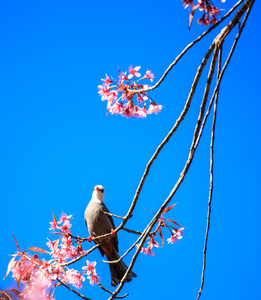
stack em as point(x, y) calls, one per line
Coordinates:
point(39, 276)
point(63, 248)
point(91, 271)
point(120, 93)
point(210, 11)
point(176, 234)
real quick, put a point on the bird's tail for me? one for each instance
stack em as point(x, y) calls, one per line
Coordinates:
point(118, 269)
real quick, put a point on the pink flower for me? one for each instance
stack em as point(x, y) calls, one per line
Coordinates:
point(66, 227)
point(36, 290)
point(142, 112)
point(78, 251)
point(64, 218)
point(149, 75)
point(186, 3)
point(57, 272)
point(140, 99)
point(54, 225)
point(123, 76)
point(74, 277)
point(112, 96)
point(67, 252)
point(143, 250)
point(120, 97)
point(134, 72)
point(154, 108)
point(175, 236)
point(215, 10)
point(51, 244)
point(67, 240)
point(180, 231)
point(153, 243)
point(90, 268)
point(147, 251)
point(107, 80)
point(93, 279)
point(203, 20)
point(128, 110)
point(145, 86)
point(104, 91)
point(117, 108)
point(202, 6)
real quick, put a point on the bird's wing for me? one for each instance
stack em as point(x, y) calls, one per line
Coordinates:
point(115, 238)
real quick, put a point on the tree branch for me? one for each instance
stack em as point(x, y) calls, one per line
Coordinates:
point(188, 47)
point(219, 76)
point(72, 290)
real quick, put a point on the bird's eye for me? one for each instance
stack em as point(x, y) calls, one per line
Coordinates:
point(102, 190)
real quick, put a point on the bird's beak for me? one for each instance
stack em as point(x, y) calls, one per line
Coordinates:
point(97, 188)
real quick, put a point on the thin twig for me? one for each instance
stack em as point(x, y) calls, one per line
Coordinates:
point(211, 177)
point(5, 295)
point(108, 291)
point(123, 255)
point(72, 290)
point(80, 257)
point(132, 231)
point(112, 215)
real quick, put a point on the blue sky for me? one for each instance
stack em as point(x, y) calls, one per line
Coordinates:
point(58, 143)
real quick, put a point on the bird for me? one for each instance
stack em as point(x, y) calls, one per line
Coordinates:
point(99, 222)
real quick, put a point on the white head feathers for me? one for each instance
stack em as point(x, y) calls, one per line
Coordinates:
point(98, 192)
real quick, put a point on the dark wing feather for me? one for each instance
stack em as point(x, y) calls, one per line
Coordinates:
point(115, 238)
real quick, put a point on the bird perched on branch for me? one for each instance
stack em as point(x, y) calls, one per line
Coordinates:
point(100, 223)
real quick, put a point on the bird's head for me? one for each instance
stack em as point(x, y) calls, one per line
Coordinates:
point(98, 192)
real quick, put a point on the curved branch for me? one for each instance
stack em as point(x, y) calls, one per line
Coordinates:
point(169, 135)
point(212, 146)
point(72, 290)
point(188, 47)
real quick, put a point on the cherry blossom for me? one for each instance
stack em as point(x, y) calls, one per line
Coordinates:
point(175, 235)
point(143, 250)
point(117, 108)
point(107, 80)
point(133, 72)
point(74, 277)
point(66, 227)
point(120, 94)
point(90, 268)
point(41, 277)
point(154, 108)
point(210, 11)
point(93, 278)
point(149, 75)
point(147, 251)
point(142, 112)
point(64, 218)
point(54, 226)
point(104, 91)
point(153, 243)
point(91, 271)
point(123, 76)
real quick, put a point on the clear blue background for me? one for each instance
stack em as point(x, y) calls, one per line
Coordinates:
point(57, 143)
